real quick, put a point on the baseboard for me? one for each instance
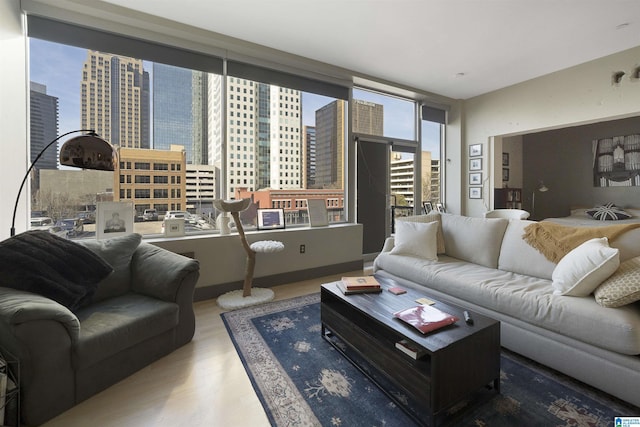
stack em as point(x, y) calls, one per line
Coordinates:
point(214, 291)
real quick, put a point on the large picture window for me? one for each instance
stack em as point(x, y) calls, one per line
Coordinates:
point(185, 133)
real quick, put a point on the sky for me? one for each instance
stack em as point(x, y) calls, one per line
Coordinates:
point(59, 68)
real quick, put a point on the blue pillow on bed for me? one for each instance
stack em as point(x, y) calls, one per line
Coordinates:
point(608, 212)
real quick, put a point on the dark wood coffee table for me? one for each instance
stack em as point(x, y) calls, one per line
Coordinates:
point(460, 359)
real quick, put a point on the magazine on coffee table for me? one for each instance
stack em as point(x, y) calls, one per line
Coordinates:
point(426, 318)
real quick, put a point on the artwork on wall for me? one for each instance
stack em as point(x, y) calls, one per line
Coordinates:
point(505, 174)
point(475, 192)
point(505, 159)
point(475, 150)
point(475, 164)
point(616, 161)
point(475, 178)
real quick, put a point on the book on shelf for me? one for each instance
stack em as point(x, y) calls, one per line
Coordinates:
point(357, 290)
point(426, 318)
point(411, 349)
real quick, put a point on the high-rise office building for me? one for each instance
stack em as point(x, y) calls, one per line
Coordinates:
point(44, 125)
point(309, 157)
point(263, 126)
point(180, 111)
point(368, 117)
point(114, 97)
point(330, 131)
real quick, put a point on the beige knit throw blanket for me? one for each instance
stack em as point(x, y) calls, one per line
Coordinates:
point(554, 241)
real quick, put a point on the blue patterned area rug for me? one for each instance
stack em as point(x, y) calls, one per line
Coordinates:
point(302, 380)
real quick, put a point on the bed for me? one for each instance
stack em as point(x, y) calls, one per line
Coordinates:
point(579, 217)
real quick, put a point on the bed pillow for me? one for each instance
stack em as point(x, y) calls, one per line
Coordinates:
point(584, 268)
point(48, 265)
point(416, 239)
point(623, 287)
point(608, 212)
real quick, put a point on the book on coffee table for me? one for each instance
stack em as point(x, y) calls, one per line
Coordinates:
point(359, 284)
point(425, 318)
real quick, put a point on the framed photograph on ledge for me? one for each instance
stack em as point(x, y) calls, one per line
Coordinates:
point(427, 206)
point(174, 227)
point(270, 219)
point(114, 219)
point(317, 209)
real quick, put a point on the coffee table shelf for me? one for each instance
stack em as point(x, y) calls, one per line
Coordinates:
point(459, 359)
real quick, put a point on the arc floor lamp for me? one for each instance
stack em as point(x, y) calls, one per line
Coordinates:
point(87, 151)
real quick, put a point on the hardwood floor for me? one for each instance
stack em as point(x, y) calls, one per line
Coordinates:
point(201, 384)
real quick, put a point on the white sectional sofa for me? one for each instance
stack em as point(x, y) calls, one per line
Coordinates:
point(485, 265)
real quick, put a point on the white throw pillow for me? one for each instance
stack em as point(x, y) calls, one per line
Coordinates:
point(416, 239)
point(582, 270)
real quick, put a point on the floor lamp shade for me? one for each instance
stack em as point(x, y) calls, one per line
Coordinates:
point(87, 151)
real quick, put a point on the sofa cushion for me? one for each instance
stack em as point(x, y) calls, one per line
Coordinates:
point(475, 240)
point(117, 251)
point(112, 325)
point(623, 287)
point(48, 265)
point(430, 217)
point(416, 239)
point(584, 268)
point(517, 256)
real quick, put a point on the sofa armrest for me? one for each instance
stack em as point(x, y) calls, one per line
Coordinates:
point(162, 274)
point(388, 244)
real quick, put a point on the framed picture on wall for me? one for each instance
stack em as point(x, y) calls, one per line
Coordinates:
point(505, 159)
point(475, 192)
point(505, 174)
point(475, 178)
point(475, 164)
point(475, 150)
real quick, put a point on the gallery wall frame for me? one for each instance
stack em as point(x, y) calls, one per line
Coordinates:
point(475, 178)
point(475, 150)
point(505, 174)
point(505, 159)
point(475, 164)
point(475, 192)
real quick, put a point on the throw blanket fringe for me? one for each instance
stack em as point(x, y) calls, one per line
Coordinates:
point(554, 241)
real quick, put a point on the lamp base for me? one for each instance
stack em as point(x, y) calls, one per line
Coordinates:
point(234, 300)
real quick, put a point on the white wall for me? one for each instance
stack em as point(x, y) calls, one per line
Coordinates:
point(578, 95)
point(13, 115)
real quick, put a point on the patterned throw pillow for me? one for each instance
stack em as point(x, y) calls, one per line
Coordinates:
point(623, 287)
point(608, 212)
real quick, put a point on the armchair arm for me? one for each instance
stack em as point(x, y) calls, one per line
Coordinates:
point(19, 307)
point(41, 333)
point(162, 274)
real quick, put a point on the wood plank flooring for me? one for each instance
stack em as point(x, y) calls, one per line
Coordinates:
point(201, 384)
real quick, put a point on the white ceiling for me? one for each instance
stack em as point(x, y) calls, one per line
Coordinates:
point(456, 48)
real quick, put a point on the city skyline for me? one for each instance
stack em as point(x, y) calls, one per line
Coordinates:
point(59, 67)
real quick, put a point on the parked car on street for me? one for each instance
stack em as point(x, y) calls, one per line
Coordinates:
point(41, 223)
point(87, 217)
point(73, 226)
point(150, 215)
